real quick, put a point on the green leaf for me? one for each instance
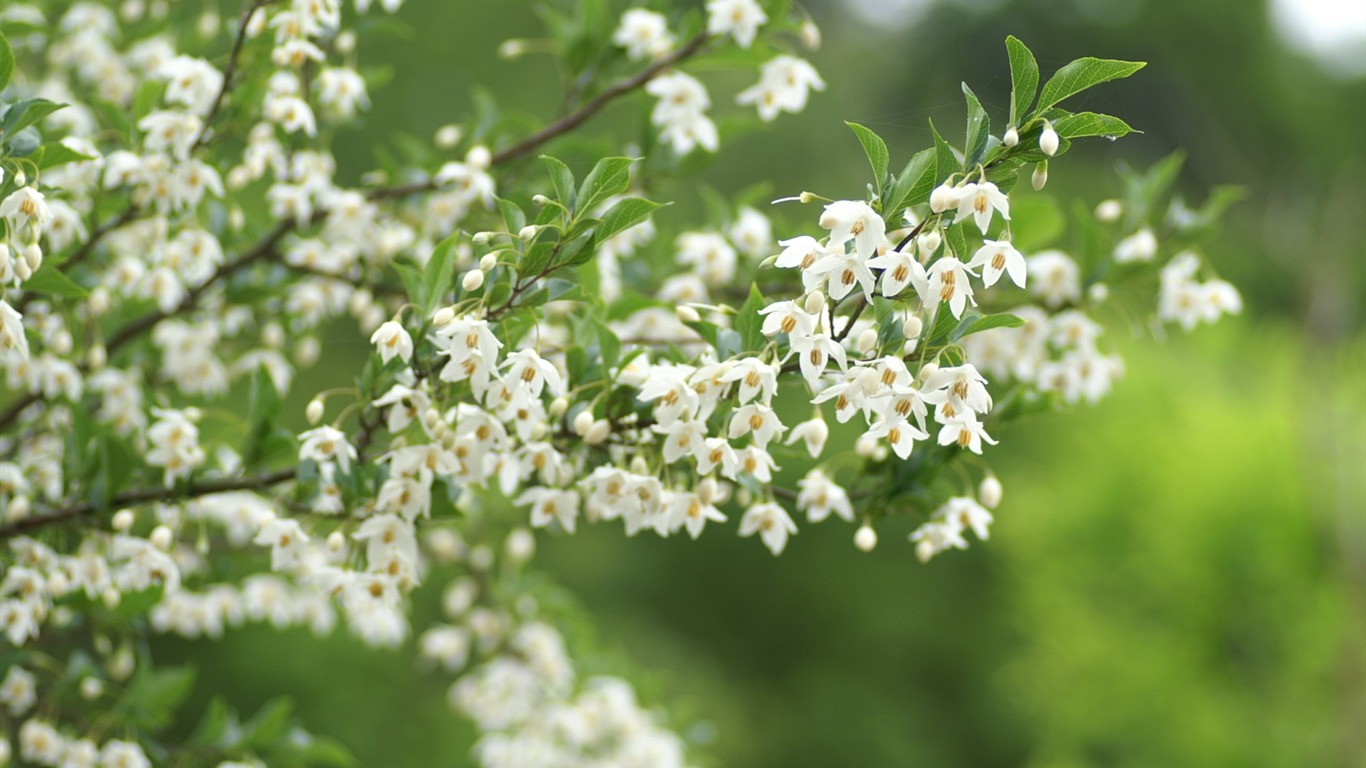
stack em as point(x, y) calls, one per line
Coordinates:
point(1081, 74)
point(562, 180)
point(412, 283)
point(623, 215)
point(945, 162)
point(150, 701)
point(512, 214)
point(54, 154)
point(575, 252)
point(6, 62)
point(439, 273)
point(981, 323)
point(979, 129)
point(150, 94)
point(914, 184)
point(609, 344)
point(1024, 79)
point(22, 114)
point(48, 279)
point(748, 322)
point(876, 150)
point(560, 289)
point(214, 725)
point(957, 238)
point(944, 324)
point(269, 724)
point(611, 176)
point(1091, 124)
point(540, 252)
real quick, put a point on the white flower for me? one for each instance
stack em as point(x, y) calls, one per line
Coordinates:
point(947, 281)
point(1056, 277)
point(820, 496)
point(978, 201)
point(738, 18)
point(996, 257)
point(814, 352)
point(687, 510)
point(899, 269)
point(757, 379)
point(813, 433)
point(935, 537)
point(12, 330)
point(752, 232)
point(644, 34)
point(784, 85)
point(787, 317)
point(966, 430)
point(964, 512)
point(771, 522)
point(192, 83)
point(1141, 246)
point(18, 691)
point(391, 339)
point(757, 420)
point(841, 272)
point(548, 504)
point(901, 435)
point(123, 754)
point(326, 444)
point(286, 539)
point(528, 369)
point(800, 252)
point(26, 210)
point(962, 385)
point(854, 220)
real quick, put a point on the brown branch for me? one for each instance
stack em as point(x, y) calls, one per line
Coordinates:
point(229, 71)
point(141, 495)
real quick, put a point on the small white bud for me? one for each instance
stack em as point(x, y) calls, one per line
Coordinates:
point(209, 22)
point(1011, 138)
point(1109, 210)
point(473, 280)
point(929, 370)
point(58, 584)
point(91, 688)
point(867, 341)
point(447, 136)
point(512, 48)
point(707, 490)
point(161, 538)
point(912, 327)
point(98, 301)
point(598, 432)
point(487, 262)
point(539, 200)
point(479, 156)
point(122, 521)
point(61, 342)
point(583, 422)
point(238, 177)
point(520, 545)
point(865, 538)
point(111, 598)
point(687, 314)
point(811, 35)
point(122, 663)
point(743, 497)
point(1048, 140)
point(97, 356)
point(639, 466)
point(924, 550)
point(346, 42)
point(930, 242)
point(558, 406)
point(1098, 292)
point(444, 544)
point(236, 219)
point(908, 347)
point(815, 303)
point(866, 447)
point(314, 411)
point(481, 238)
point(21, 178)
point(807, 197)
point(273, 336)
point(989, 493)
point(528, 232)
point(336, 542)
point(1040, 176)
point(306, 352)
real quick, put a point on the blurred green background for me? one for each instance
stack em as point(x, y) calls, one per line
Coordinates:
point(1177, 576)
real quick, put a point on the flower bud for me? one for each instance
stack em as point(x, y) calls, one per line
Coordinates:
point(528, 232)
point(122, 521)
point(307, 350)
point(929, 370)
point(687, 314)
point(473, 280)
point(539, 200)
point(98, 301)
point(912, 327)
point(481, 238)
point(479, 156)
point(111, 598)
point(273, 336)
point(1098, 292)
point(924, 550)
point(18, 508)
point(1040, 176)
point(815, 303)
point(314, 411)
point(1048, 140)
point(866, 341)
point(512, 48)
point(558, 406)
point(807, 197)
point(865, 538)
point(238, 177)
point(520, 545)
point(597, 432)
point(447, 136)
point(707, 490)
point(989, 493)
point(20, 178)
point(487, 262)
point(1109, 211)
point(930, 242)
point(336, 542)
point(91, 688)
point(811, 35)
point(443, 317)
point(161, 538)
point(583, 422)
point(1011, 138)
point(865, 446)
